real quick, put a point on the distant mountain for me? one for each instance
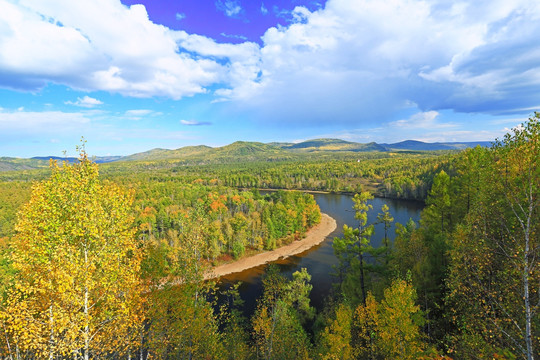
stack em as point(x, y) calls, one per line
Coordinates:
point(96, 159)
point(237, 151)
point(247, 148)
point(280, 144)
point(164, 154)
point(331, 145)
point(242, 151)
point(422, 146)
point(40, 162)
point(16, 164)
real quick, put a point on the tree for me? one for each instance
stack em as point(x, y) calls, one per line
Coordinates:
point(351, 248)
point(436, 224)
point(235, 335)
point(494, 274)
point(335, 340)
point(181, 321)
point(386, 219)
point(391, 328)
point(76, 291)
point(277, 322)
point(438, 202)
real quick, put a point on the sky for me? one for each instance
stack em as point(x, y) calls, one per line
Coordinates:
point(133, 75)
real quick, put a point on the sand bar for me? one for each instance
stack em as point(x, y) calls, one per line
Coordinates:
point(314, 236)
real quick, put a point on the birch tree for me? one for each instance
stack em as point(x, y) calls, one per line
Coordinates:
point(76, 288)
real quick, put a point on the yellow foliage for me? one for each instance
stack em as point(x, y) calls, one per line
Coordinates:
point(77, 284)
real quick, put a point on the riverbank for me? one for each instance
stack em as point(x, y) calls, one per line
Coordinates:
point(314, 236)
point(371, 190)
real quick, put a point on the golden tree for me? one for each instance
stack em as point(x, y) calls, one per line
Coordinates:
point(391, 328)
point(76, 291)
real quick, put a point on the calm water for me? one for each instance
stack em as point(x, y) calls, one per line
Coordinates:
point(319, 260)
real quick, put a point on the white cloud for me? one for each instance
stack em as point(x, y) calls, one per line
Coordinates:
point(300, 14)
point(461, 136)
point(231, 36)
point(36, 122)
point(422, 120)
point(364, 60)
point(194, 123)
point(102, 45)
point(351, 61)
point(48, 132)
point(264, 10)
point(231, 8)
point(139, 112)
point(180, 16)
point(85, 101)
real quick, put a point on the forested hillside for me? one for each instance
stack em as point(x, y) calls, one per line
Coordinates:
point(249, 151)
point(99, 264)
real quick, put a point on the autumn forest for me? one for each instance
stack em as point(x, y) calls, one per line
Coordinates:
point(110, 261)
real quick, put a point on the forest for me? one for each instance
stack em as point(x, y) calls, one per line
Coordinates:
point(107, 261)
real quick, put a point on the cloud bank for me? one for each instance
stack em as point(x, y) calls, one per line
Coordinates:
point(352, 61)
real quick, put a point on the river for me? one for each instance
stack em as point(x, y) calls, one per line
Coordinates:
point(319, 260)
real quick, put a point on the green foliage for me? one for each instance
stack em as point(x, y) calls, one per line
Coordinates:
point(229, 222)
point(354, 272)
point(14, 164)
point(389, 329)
point(235, 334)
point(438, 203)
point(277, 323)
point(182, 324)
point(494, 272)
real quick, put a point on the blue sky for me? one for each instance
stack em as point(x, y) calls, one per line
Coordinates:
point(134, 75)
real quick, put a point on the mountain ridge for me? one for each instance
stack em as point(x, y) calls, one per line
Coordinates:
point(249, 151)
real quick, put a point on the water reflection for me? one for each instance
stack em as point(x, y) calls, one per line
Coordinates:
point(319, 260)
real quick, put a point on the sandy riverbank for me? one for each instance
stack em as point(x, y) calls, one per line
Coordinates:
point(314, 236)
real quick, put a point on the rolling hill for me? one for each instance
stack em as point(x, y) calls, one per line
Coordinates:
point(243, 151)
point(330, 145)
point(423, 146)
point(164, 154)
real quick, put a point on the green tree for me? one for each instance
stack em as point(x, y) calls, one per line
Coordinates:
point(438, 202)
point(494, 272)
point(350, 251)
point(386, 219)
point(277, 322)
point(235, 335)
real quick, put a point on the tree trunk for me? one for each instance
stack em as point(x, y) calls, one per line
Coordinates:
point(528, 335)
point(86, 315)
point(362, 283)
point(51, 335)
